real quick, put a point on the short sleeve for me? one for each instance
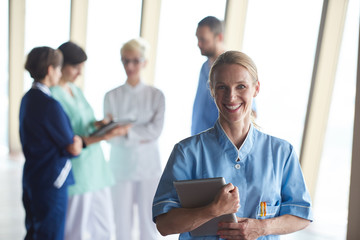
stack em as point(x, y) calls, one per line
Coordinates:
point(295, 196)
point(166, 197)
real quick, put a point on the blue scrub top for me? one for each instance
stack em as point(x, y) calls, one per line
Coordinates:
point(205, 112)
point(265, 169)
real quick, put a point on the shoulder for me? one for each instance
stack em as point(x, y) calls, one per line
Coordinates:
point(57, 92)
point(198, 141)
point(272, 141)
point(55, 89)
point(114, 90)
point(154, 91)
point(206, 64)
point(75, 88)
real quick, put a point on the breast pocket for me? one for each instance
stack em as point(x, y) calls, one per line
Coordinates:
point(267, 210)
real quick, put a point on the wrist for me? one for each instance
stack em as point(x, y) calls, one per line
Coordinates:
point(266, 226)
point(84, 145)
point(212, 210)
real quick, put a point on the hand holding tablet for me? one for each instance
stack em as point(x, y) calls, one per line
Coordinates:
point(110, 126)
point(198, 193)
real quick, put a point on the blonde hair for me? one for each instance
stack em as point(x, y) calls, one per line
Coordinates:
point(138, 45)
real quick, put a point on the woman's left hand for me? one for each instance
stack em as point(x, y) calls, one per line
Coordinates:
point(245, 228)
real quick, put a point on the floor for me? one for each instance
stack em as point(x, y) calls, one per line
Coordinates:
point(12, 213)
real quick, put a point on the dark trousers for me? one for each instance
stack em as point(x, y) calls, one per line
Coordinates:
point(45, 209)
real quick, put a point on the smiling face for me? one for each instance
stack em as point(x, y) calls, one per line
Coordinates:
point(233, 90)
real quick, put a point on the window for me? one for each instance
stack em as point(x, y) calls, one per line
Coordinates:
point(282, 40)
point(334, 174)
point(47, 23)
point(4, 82)
point(111, 23)
point(178, 64)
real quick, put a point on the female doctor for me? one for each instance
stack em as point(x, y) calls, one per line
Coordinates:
point(90, 212)
point(266, 187)
point(134, 158)
point(48, 143)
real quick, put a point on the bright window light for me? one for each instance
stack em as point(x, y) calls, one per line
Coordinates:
point(111, 23)
point(4, 80)
point(178, 64)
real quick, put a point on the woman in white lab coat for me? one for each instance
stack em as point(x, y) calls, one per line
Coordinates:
point(134, 158)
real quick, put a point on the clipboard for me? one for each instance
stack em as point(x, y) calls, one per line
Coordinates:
point(111, 125)
point(198, 193)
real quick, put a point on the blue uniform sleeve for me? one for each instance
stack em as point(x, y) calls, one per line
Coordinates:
point(205, 112)
point(295, 197)
point(59, 128)
point(166, 197)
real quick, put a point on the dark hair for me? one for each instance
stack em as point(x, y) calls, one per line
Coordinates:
point(39, 59)
point(213, 23)
point(73, 54)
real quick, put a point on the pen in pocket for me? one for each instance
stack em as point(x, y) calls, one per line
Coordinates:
point(263, 209)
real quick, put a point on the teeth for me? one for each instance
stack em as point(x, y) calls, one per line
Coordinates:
point(233, 107)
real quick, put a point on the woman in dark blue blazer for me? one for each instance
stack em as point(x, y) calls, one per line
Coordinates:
point(48, 143)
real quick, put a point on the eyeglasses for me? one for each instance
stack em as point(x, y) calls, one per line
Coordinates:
point(134, 61)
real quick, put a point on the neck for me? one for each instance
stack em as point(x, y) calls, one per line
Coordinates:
point(46, 82)
point(133, 81)
point(236, 131)
point(218, 52)
point(62, 82)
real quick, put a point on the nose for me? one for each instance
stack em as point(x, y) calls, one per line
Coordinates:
point(231, 94)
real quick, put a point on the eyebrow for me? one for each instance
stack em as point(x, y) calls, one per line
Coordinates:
point(238, 82)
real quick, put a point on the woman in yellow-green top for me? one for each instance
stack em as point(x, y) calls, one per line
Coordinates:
point(90, 212)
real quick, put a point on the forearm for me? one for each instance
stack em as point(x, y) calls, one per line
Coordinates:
point(145, 132)
point(284, 224)
point(179, 220)
point(91, 140)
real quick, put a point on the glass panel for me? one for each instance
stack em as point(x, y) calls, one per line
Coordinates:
point(178, 64)
point(4, 79)
point(111, 23)
point(47, 23)
point(334, 174)
point(282, 42)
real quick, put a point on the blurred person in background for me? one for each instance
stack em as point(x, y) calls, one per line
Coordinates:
point(48, 143)
point(90, 212)
point(134, 157)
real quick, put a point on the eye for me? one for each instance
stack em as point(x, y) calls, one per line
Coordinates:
point(220, 87)
point(241, 86)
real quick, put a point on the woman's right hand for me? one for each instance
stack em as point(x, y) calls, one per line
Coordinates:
point(227, 200)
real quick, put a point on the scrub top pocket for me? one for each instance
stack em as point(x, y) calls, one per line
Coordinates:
point(265, 210)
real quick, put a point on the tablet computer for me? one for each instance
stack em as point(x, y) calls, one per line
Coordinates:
point(111, 125)
point(198, 193)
